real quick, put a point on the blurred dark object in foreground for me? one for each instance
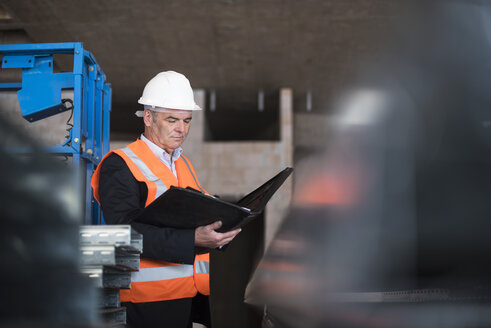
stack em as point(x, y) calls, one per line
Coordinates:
point(40, 214)
point(390, 226)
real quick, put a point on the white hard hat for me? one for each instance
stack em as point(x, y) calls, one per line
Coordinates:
point(169, 90)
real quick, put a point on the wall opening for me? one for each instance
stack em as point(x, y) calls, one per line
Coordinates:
point(242, 115)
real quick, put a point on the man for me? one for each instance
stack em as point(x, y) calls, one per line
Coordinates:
point(172, 287)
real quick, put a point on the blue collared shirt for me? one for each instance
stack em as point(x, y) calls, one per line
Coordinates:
point(166, 158)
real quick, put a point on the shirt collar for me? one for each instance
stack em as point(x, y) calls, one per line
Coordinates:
point(161, 153)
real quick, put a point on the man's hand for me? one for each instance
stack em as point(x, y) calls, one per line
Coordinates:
point(206, 236)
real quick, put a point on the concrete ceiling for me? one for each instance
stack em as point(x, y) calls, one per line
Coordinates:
point(235, 47)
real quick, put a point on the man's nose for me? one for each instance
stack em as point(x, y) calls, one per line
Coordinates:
point(180, 126)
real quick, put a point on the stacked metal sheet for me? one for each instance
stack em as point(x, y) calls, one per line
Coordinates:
point(108, 255)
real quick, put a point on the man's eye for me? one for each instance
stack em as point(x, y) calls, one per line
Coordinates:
point(187, 121)
point(171, 121)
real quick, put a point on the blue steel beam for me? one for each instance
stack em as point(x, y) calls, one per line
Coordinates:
point(106, 118)
point(98, 122)
point(40, 48)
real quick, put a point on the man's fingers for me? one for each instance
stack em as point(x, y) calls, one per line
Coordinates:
point(227, 237)
point(215, 225)
point(231, 234)
point(209, 238)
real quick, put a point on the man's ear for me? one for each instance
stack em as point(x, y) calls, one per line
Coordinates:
point(147, 117)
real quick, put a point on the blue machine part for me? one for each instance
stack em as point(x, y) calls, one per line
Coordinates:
point(40, 95)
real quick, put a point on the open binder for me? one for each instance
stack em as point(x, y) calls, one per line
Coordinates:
point(188, 208)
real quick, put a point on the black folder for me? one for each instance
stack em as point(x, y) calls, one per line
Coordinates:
point(188, 208)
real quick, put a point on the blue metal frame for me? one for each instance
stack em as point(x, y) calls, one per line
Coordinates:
point(40, 96)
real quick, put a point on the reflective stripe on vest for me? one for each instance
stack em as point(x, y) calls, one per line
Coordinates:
point(192, 173)
point(202, 267)
point(161, 188)
point(163, 273)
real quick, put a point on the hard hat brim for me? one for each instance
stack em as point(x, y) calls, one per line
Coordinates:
point(139, 113)
point(195, 107)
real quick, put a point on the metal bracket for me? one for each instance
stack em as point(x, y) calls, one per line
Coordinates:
point(40, 95)
point(18, 62)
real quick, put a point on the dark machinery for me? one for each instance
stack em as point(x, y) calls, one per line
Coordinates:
point(40, 278)
point(390, 225)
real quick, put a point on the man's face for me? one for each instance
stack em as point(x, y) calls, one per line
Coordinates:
point(167, 130)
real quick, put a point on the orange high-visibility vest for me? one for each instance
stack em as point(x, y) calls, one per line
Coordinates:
point(160, 280)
